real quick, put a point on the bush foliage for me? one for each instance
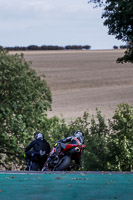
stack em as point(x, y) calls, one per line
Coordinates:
point(24, 101)
point(109, 144)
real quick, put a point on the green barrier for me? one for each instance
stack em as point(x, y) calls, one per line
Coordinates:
point(66, 186)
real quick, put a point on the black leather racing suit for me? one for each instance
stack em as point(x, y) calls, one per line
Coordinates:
point(40, 146)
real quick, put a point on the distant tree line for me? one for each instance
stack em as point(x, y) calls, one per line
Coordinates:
point(52, 47)
point(48, 47)
point(121, 47)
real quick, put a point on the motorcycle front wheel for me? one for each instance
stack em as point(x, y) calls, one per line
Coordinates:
point(65, 162)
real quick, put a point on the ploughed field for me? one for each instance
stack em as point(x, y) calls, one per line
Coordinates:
point(84, 80)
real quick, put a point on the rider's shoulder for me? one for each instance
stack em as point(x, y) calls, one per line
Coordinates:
point(69, 137)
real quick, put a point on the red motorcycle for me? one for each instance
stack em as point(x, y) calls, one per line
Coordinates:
point(62, 156)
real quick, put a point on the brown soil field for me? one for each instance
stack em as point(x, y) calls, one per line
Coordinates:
point(84, 80)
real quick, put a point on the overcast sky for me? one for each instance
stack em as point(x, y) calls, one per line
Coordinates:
point(53, 22)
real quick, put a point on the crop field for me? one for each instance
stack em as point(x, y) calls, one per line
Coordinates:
point(84, 80)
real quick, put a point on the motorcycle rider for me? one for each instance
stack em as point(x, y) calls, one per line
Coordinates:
point(74, 139)
point(77, 138)
point(39, 145)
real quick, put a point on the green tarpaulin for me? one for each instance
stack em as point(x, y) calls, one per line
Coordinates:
point(66, 186)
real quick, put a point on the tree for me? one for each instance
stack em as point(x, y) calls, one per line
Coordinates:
point(95, 155)
point(118, 16)
point(121, 139)
point(1, 48)
point(24, 100)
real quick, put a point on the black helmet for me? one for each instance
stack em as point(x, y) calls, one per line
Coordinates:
point(38, 135)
